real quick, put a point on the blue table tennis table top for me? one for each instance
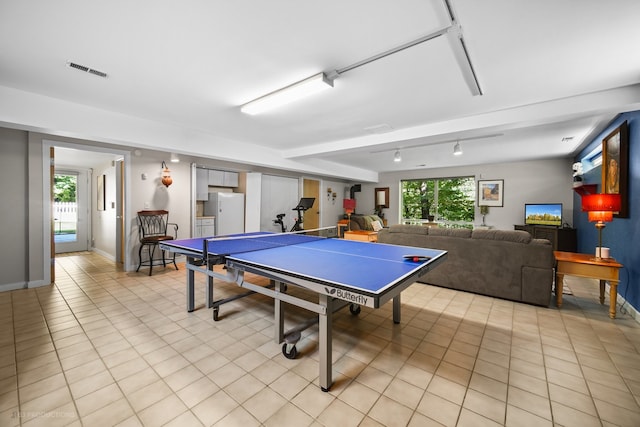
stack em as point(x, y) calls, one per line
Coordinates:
point(366, 268)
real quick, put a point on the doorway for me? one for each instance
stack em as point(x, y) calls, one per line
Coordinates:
point(109, 237)
point(311, 188)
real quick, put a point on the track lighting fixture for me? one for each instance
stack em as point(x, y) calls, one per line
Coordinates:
point(457, 150)
point(323, 80)
point(397, 157)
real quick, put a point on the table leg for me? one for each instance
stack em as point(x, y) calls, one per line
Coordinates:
point(190, 287)
point(278, 308)
point(396, 309)
point(602, 285)
point(209, 290)
point(613, 297)
point(559, 286)
point(325, 342)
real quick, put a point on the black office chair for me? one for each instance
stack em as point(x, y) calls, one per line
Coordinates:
point(152, 229)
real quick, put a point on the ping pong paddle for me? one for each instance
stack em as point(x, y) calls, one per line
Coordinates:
point(416, 258)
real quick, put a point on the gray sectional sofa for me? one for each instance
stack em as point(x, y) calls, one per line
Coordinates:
point(499, 263)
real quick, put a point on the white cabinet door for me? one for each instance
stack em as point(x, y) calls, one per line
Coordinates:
point(216, 178)
point(230, 179)
point(202, 184)
point(208, 227)
point(205, 227)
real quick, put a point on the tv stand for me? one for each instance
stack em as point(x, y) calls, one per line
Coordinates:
point(562, 239)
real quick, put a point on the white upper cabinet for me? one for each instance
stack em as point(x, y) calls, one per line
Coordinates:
point(206, 178)
point(216, 178)
point(202, 184)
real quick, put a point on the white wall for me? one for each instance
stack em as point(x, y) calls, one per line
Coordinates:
point(331, 208)
point(542, 181)
point(150, 193)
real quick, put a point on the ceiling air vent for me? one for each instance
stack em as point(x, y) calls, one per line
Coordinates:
point(87, 69)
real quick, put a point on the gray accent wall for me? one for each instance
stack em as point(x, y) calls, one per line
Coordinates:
point(14, 209)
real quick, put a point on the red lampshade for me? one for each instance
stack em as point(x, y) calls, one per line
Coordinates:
point(604, 216)
point(349, 205)
point(601, 203)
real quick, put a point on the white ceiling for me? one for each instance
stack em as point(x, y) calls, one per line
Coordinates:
point(548, 70)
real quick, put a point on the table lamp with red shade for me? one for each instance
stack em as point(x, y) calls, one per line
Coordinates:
point(349, 206)
point(600, 208)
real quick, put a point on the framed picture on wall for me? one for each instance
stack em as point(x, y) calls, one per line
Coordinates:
point(101, 201)
point(490, 192)
point(615, 166)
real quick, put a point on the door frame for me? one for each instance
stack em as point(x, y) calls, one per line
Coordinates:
point(48, 162)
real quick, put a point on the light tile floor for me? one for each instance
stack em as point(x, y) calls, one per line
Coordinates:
point(107, 347)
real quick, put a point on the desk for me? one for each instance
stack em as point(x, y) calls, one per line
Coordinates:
point(341, 272)
point(361, 235)
point(585, 265)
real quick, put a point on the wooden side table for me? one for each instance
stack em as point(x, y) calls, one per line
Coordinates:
point(585, 265)
point(343, 225)
point(361, 235)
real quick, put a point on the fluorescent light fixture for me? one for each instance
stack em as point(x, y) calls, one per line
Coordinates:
point(457, 150)
point(288, 94)
point(397, 157)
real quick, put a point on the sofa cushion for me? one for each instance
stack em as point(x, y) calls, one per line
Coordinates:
point(463, 233)
point(517, 236)
point(410, 229)
point(363, 222)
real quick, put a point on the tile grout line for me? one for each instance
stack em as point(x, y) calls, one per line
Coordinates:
point(80, 324)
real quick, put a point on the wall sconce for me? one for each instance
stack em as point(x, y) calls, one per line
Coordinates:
point(166, 175)
point(333, 198)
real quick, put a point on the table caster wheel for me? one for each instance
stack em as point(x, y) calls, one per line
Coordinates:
point(354, 309)
point(216, 313)
point(291, 354)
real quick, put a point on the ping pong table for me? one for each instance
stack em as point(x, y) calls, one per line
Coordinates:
point(341, 272)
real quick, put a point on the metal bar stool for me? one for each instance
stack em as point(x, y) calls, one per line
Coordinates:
point(152, 229)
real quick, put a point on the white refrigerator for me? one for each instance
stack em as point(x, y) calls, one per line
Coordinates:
point(228, 208)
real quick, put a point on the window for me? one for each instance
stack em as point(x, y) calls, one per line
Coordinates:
point(449, 201)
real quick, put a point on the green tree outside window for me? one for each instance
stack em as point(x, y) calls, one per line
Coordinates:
point(449, 200)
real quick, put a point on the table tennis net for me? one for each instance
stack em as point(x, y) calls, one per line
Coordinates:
point(229, 245)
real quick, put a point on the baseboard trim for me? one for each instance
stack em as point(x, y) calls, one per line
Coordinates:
point(12, 286)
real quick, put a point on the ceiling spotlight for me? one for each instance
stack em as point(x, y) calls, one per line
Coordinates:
point(457, 150)
point(174, 158)
point(397, 157)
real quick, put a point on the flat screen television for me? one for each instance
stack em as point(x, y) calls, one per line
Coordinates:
point(543, 214)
